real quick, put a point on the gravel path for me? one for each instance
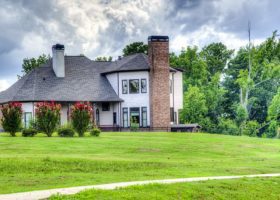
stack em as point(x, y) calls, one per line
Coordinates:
point(43, 194)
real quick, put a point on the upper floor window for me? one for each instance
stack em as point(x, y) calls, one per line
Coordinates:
point(106, 106)
point(124, 87)
point(133, 86)
point(171, 86)
point(143, 85)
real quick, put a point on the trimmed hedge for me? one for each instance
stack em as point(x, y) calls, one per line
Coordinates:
point(95, 132)
point(29, 132)
point(66, 132)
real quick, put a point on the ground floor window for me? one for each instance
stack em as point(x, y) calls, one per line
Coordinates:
point(125, 117)
point(135, 116)
point(97, 116)
point(144, 116)
point(27, 119)
point(114, 118)
point(172, 114)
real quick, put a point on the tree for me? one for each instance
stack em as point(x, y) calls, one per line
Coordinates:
point(104, 58)
point(194, 106)
point(135, 47)
point(274, 108)
point(31, 63)
point(11, 120)
point(80, 116)
point(216, 56)
point(47, 117)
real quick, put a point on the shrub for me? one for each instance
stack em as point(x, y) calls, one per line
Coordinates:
point(81, 115)
point(271, 131)
point(228, 126)
point(11, 120)
point(47, 117)
point(250, 128)
point(29, 132)
point(134, 126)
point(95, 132)
point(66, 132)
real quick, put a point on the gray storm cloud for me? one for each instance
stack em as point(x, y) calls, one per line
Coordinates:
point(104, 27)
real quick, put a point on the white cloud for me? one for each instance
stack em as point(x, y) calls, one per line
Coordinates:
point(4, 84)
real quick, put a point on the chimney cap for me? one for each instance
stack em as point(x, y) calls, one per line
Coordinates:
point(58, 46)
point(158, 38)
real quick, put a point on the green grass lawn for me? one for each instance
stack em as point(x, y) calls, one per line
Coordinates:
point(41, 163)
point(256, 188)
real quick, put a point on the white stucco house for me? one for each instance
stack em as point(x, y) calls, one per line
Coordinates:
point(143, 87)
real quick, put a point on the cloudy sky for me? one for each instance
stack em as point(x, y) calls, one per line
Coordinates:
point(104, 27)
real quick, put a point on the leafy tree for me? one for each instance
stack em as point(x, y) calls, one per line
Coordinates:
point(228, 127)
point(31, 63)
point(194, 106)
point(274, 108)
point(241, 115)
point(216, 56)
point(135, 47)
point(47, 117)
point(11, 120)
point(251, 128)
point(81, 115)
point(104, 58)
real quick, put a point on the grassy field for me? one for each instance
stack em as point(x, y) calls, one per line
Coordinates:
point(42, 163)
point(257, 188)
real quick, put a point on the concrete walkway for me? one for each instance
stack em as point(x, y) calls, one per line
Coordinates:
point(43, 194)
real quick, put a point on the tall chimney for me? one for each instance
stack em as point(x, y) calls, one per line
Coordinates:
point(58, 60)
point(158, 53)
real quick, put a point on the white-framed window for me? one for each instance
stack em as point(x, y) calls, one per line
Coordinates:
point(143, 85)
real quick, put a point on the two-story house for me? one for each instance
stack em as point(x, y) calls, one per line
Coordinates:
point(139, 87)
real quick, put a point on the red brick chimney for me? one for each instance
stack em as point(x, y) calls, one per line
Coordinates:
point(158, 53)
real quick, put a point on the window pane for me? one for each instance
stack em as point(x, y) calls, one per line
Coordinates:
point(143, 85)
point(124, 87)
point(134, 86)
point(125, 117)
point(106, 106)
point(144, 117)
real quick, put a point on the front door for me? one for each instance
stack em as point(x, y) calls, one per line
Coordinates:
point(135, 117)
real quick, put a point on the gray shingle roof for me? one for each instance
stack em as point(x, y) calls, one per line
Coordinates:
point(82, 82)
point(135, 62)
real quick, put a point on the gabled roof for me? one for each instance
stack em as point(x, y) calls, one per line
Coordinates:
point(135, 62)
point(82, 82)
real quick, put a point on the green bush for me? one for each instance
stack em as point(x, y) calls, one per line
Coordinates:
point(272, 129)
point(250, 128)
point(228, 126)
point(95, 132)
point(66, 132)
point(29, 132)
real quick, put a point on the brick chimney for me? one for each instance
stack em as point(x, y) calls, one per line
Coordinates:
point(158, 53)
point(58, 60)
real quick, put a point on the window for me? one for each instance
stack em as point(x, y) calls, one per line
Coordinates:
point(105, 106)
point(27, 119)
point(171, 86)
point(172, 114)
point(143, 85)
point(144, 116)
point(125, 117)
point(114, 118)
point(124, 87)
point(133, 86)
point(135, 116)
point(97, 116)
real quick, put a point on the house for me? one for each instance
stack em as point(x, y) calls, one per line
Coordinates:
point(140, 87)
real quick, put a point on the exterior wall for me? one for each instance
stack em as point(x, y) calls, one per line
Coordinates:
point(64, 114)
point(158, 52)
point(106, 117)
point(135, 100)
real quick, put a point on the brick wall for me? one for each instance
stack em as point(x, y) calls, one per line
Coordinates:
point(158, 53)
